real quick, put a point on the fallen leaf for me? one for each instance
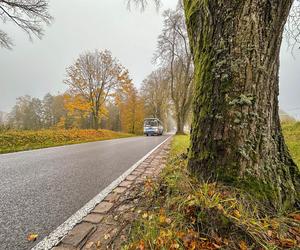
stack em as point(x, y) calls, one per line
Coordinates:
point(32, 237)
point(90, 245)
point(295, 216)
point(274, 224)
point(162, 219)
point(287, 243)
point(211, 193)
point(106, 236)
point(142, 245)
point(243, 245)
point(168, 221)
point(220, 207)
point(226, 242)
point(236, 214)
point(174, 246)
point(216, 245)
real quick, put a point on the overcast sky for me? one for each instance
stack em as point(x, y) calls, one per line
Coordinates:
point(39, 67)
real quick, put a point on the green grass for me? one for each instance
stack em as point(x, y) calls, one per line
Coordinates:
point(13, 141)
point(179, 144)
point(291, 133)
point(182, 213)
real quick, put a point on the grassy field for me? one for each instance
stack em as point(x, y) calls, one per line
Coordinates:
point(13, 141)
point(292, 137)
point(291, 133)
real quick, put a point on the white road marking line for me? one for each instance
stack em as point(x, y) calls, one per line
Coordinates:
point(56, 236)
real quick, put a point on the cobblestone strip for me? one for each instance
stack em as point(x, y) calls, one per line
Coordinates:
point(106, 227)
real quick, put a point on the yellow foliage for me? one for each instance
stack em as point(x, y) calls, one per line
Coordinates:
point(131, 106)
point(79, 108)
point(76, 103)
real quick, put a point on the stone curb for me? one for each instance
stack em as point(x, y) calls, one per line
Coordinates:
point(105, 226)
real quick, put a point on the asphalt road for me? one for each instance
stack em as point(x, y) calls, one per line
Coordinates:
point(41, 189)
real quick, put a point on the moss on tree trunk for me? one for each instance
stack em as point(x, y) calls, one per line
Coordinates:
point(236, 133)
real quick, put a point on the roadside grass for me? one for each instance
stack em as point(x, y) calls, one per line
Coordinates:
point(291, 131)
point(179, 145)
point(13, 141)
point(182, 213)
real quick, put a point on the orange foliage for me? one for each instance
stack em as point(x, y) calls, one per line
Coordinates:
point(76, 103)
point(131, 106)
point(78, 108)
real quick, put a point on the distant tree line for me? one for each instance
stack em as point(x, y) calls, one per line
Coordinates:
point(100, 94)
point(65, 111)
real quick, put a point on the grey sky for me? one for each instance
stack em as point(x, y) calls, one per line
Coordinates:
point(80, 25)
point(39, 67)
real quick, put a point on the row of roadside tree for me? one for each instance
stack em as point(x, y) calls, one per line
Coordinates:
point(101, 94)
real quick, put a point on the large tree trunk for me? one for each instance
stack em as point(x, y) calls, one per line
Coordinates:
point(180, 125)
point(236, 133)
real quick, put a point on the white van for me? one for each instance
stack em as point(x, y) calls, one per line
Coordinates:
point(153, 126)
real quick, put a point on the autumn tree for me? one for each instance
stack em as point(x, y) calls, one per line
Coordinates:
point(27, 114)
point(173, 53)
point(236, 133)
point(78, 111)
point(94, 76)
point(113, 116)
point(131, 106)
point(53, 110)
point(3, 118)
point(31, 113)
point(155, 91)
point(29, 15)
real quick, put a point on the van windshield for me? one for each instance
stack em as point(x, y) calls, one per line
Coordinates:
point(150, 123)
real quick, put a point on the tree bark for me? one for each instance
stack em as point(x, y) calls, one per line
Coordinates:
point(236, 134)
point(181, 116)
point(96, 120)
point(180, 124)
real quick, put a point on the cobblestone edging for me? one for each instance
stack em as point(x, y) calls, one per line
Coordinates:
point(106, 227)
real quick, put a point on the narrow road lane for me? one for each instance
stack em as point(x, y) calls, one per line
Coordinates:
point(41, 189)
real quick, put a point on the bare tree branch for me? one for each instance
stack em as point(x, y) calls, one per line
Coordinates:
point(173, 54)
point(5, 40)
point(142, 4)
point(29, 15)
point(292, 27)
